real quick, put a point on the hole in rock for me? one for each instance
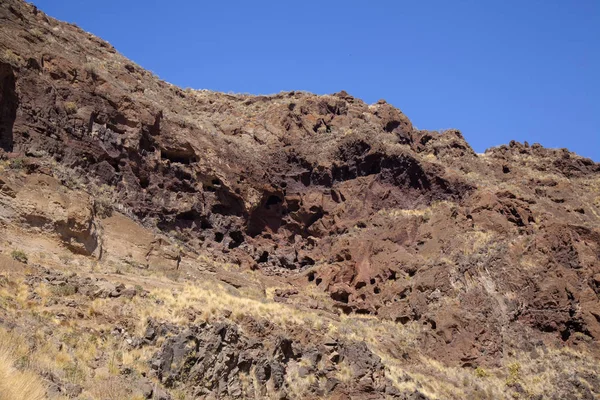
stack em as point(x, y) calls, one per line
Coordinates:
point(306, 261)
point(390, 126)
point(340, 296)
point(147, 143)
point(144, 182)
point(237, 238)
point(264, 257)
point(267, 372)
point(272, 200)
point(185, 156)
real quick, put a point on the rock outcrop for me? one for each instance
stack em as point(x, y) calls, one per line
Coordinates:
point(354, 209)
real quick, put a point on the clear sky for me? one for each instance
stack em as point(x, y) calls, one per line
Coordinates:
point(495, 69)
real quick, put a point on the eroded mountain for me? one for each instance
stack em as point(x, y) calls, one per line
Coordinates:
point(284, 246)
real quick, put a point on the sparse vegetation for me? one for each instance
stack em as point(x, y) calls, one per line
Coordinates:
point(17, 383)
point(71, 107)
point(91, 70)
point(36, 33)
point(66, 258)
point(103, 207)
point(17, 163)
point(19, 255)
point(12, 58)
point(64, 290)
point(103, 202)
point(513, 373)
point(210, 301)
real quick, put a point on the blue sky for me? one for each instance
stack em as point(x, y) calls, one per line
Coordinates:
point(496, 70)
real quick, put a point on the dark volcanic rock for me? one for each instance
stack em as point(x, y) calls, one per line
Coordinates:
point(221, 360)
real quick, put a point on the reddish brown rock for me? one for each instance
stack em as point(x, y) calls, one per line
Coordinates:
point(332, 194)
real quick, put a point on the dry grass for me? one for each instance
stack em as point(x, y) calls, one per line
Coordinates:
point(12, 58)
point(298, 385)
point(70, 107)
point(17, 383)
point(207, 300)
point(19, 255)
point(475, 241)
point(399, 212)
point(426, 213)
point(185, 304)
point(535, 377)
point(109, 387)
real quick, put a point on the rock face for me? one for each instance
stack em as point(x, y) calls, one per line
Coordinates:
point(331, 194)
point(219, 360)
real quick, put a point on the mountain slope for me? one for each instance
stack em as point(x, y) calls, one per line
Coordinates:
point(291, 245)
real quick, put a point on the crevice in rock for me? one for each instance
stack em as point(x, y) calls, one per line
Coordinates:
point(390, 126)
point(9, 103)
point(184, 155)
point(267, 216)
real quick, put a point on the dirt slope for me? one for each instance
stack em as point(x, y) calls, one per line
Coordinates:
point(175, 243)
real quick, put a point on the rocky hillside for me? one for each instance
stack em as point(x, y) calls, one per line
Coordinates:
point(160, 243)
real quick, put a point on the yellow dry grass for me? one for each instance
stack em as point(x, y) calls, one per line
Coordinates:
point(538, 377)
point(209, 300)
point(17, 383)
